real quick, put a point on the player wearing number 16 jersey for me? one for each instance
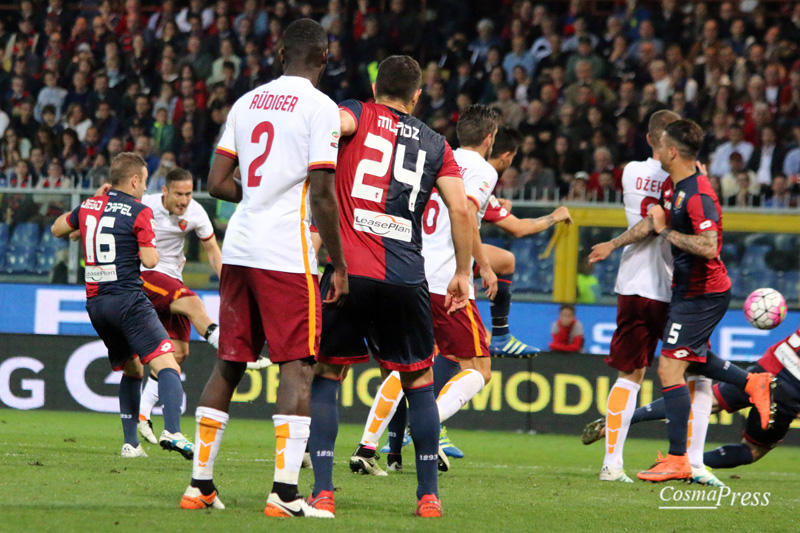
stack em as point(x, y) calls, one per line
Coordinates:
point(388, 164)
point(284, 136)
point(116, 228)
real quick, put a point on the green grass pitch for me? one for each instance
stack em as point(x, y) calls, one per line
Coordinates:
point(61, 471)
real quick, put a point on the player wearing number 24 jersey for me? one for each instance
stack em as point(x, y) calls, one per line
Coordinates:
point(116, 229)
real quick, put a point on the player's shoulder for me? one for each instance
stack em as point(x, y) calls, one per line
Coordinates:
point(474, 162)
point(196, 210)
point(151, 200)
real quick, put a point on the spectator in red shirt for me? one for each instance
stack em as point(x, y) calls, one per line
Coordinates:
point(567, 331)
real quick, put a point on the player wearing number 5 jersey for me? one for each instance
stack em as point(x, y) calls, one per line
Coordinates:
point(284, 136)
point(388, 164)
point(116, 229)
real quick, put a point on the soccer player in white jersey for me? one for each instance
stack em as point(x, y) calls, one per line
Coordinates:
point(284, 135)
point(644, 288)
point(176, 214)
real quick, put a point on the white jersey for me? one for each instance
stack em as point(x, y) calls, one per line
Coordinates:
point(646, 266)
point(480, 179)
point(279, 132)
point(171, 233)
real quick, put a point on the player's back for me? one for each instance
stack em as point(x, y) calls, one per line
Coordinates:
point(171, 233)
point(386, 172)
point(113, 227)
point(279, 132)
point(645, 268)
point(480, 179)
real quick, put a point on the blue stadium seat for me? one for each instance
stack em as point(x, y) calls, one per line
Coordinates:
point(789, 285)
point(3, 234)
point(524, 280)
point(525, 250)
point(787, 243)
point(754, 257)
point(20, 260)
point(45, 261)
point(51, 242)
point(495, 241)
point(25, 235)
point(730, 254)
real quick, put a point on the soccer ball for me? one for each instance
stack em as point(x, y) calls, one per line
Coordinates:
point(765, 308)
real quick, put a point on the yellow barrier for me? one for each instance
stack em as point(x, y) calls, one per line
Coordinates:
point(566, 238)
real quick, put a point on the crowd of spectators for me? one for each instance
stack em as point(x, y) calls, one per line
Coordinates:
point(81, 84)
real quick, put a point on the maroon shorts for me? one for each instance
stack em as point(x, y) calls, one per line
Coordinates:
point(640, 325)
point(257, 305)
point(461, 334)
point(162, 290)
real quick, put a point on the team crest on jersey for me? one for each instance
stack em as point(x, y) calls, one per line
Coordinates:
point(182, 224)
point(679, 201)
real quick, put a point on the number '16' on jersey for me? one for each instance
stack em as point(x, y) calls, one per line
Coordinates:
point(385, 174)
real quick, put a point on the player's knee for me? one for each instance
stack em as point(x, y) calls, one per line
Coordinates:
point(181, 354)
point(669, 373)
point(507, 264)
point(637, 376)
point(486, 373)
point(329, 371)
point(757, 451)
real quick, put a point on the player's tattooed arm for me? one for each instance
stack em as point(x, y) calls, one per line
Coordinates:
point(522, 227)
point(642, 230)
point(703, 244)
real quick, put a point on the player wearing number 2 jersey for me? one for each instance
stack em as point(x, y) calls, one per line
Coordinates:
point(284, 136)
point(116, 228)
point(388, 164)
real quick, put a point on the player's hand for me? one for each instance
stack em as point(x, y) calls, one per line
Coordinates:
point(505, 203)
point(489, 281)
point(457, 296)
point(659, 218)
point(702, 168)
point(75, 235)
point(562, 215)
point(600, 251)
point(340, 288)
point(103, 190)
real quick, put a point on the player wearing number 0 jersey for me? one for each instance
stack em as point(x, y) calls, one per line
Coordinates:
point(284, 137)
point(643, 290)
point(388, 164)
point(116, 229)
point(176, 214)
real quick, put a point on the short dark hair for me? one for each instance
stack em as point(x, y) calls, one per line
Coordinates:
point(507, 140)
point(687, 137)
point(124, 166)
point(659, 121)
point(177, 174)
point(305, 41)
point(570, 307)
point(398, 78)
point(475, 123)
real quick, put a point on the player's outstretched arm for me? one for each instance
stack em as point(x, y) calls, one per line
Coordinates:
point(522, 227)
point(639, 232)
point(451, 189)
point(222, 182)
point(325, 211)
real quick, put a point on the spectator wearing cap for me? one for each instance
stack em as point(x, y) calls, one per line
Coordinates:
point(585, 52)
point(479, 47)
point(577, 187)
point(720, 159)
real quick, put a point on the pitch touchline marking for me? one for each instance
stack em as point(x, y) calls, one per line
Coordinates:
point(687, 507)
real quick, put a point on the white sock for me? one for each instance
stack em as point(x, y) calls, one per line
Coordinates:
point(291, 436)
point(619, 411)
point(149, 398)
point(208, 436)
point(388, 397)
point(702, 398)
point(458, 391)
point(213, 338)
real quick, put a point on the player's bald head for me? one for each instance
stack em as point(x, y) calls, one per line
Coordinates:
point(399, 78)
point(124, 166)
point(305, 41)
point(659, 121)
point(686, 136)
